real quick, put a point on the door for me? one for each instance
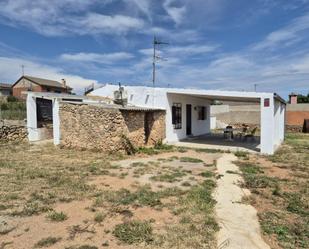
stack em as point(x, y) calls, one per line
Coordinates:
point(189, 119)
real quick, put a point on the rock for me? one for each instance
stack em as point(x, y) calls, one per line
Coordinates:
point(7, 225)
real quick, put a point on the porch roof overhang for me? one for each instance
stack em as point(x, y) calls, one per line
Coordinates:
point(236, 96)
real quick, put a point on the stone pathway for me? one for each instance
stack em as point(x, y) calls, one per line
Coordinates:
point(239, 226)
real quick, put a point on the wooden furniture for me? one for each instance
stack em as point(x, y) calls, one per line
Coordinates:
point(228, 132)
point(251, 134)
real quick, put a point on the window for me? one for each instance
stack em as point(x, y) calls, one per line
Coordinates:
point(176, 115)
point(201, 110)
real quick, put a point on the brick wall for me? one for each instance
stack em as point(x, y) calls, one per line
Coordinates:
point(296, 117)
point(17, 91)
point(107, 129)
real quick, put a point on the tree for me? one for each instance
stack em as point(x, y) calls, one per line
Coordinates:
point(302, 98)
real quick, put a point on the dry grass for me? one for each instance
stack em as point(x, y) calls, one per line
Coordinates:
point(66, 198)
point(280, 185)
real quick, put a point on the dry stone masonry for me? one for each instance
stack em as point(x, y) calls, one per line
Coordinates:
point(12, 132)
point(109, 129)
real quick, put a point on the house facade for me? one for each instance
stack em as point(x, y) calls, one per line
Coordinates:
point(5, 89)
point(34, 84)
point(188, 110)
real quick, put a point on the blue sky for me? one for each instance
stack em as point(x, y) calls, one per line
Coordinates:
point(213, 44)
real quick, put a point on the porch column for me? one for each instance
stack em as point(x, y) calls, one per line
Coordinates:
point(267, 125)
point(56, 122)
point(282, 121)
point(32, 123)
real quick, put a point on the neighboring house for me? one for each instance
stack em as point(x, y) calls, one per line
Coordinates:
point(34, 84)
point(188, 110)
point(5, 89)
point(296, 113)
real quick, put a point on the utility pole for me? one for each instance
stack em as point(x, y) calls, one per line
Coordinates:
point(23, 70)
point(255, 85)
point(156, 43)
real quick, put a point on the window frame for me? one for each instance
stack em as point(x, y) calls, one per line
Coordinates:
point(177, 116)
point(201, 113)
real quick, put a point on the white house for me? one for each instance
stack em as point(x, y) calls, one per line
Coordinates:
point(188, 110)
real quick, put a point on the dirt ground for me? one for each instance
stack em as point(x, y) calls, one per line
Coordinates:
point(59, 198)
point(279, 186)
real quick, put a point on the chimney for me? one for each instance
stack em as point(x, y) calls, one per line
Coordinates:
point(64, 83)
point(293, 98)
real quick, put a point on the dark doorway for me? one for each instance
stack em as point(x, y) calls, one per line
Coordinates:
point(189, 119)
point(44, 111)
point(148, 122)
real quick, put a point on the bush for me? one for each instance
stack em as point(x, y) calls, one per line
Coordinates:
point(4, 107)
point(55, 216)
point(13, 110)
point(190, 160)
point(46, 242)
point(11, 99)
point(134, 232)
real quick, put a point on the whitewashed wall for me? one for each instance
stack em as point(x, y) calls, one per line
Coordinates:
point(199, 127)
point(272, 117)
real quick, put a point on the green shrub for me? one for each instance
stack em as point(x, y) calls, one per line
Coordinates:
point(4, 107)
point(11, 99)
point(169, 177)
point(99, 217)
point(207, 174)
point(134, 232)
point(55, 216)
point(190, 160)
point(46, 242)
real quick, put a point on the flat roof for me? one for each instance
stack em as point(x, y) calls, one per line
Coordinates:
point(239, 96)
point(115, 106)
point(50, 95)
point(69, 98)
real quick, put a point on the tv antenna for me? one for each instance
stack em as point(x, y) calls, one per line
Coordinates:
point(255, 87)
point(22, 69)
point(155, 57)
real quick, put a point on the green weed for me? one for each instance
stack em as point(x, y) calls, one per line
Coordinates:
point(134, 232)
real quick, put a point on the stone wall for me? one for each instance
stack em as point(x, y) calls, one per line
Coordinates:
point(248, 114)
point(13, 131)
point(107, 129)
point(156, 127)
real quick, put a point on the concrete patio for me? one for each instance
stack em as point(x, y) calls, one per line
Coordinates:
point(217, 141)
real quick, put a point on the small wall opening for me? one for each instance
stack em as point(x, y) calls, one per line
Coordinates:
point(148, 123)
point(44, 111)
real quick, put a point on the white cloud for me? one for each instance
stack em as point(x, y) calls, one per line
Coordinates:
point(65, 17)
point(97, 23)
point(143, 5)
point(10, 71)
point(191, 49)
point(108, 58)
point(287, 35)
point(175, 13)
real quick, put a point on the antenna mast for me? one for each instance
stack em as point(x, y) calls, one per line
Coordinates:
point(23, 70)
point(155, 57)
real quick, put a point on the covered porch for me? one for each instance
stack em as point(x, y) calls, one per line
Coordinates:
point(266, 138)
point(216, 141)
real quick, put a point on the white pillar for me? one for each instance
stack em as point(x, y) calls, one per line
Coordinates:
point(56, 122)
point(267, 125)
point(282, 121)
point(32, 124)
